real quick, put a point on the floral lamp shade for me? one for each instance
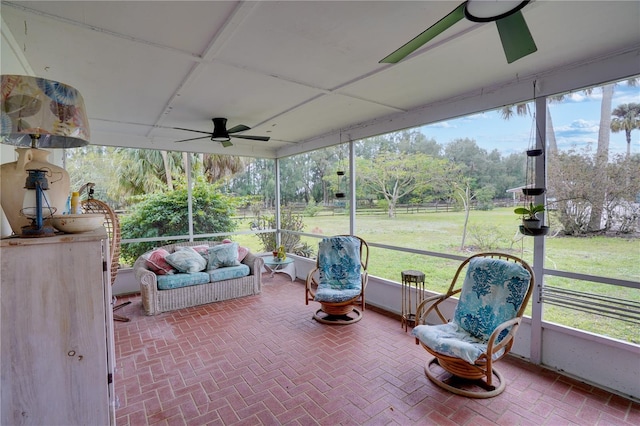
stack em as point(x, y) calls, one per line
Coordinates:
point(42, 113)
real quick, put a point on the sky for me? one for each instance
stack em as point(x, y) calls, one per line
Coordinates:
point(576, 121)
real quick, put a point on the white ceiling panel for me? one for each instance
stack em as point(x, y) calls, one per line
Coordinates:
point(302, 72)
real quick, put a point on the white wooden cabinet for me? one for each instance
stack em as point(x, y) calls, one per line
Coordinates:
point(57, 355)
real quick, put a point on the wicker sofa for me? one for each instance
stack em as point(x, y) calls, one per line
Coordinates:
point(156, 301)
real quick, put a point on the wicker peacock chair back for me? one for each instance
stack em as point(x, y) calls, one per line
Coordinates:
point(112, 225)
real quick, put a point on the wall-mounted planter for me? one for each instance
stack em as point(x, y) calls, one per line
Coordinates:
point(533, 232)
point(531, 223)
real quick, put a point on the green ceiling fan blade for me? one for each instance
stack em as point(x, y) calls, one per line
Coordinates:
point(426, 36)
point(515, 36)
point(238, 128)
point(253, 138)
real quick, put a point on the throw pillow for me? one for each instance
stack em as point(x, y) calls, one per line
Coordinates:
point(202, 249)
point(242, 251)
point(187, 260)
point(222, 255)
point(156, 262)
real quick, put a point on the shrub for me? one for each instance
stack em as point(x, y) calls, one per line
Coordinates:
point(290, 221)
point(312, 209)
point(487, 238)
point(165, 214)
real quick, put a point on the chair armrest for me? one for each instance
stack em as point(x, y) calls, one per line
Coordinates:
point(141, 272)
point(507, 341)
point(430, 304)
point(310, 294)
point(254, 263)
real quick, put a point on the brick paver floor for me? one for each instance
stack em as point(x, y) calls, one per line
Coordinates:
point(263, 360)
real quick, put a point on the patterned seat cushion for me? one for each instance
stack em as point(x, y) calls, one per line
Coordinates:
point(449, 339)
point(339, 269)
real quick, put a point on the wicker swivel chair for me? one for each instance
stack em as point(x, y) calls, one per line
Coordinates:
point(339, 280)
point(112, 226)
point(492, 299)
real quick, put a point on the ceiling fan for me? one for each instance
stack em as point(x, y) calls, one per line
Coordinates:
point(222, 135)
point(514, 33)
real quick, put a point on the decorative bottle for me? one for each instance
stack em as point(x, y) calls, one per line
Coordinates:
point(75, 203)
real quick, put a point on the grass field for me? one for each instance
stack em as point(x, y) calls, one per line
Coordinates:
point(614, 257)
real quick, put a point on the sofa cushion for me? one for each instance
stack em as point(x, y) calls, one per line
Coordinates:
point(227, 273)
point(168, 282)
point(156, 262)
point(223, 255)
point(186, 260)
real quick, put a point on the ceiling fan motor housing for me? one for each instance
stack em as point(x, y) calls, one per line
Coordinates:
point(220, 133)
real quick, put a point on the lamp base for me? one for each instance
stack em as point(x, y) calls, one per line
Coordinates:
point(32, 231)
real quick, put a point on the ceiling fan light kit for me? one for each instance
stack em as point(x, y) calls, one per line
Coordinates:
point(488, 11)
point(515, 36)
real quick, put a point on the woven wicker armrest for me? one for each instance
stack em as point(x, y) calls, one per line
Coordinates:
point(254, 263)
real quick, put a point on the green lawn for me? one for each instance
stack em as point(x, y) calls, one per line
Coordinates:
point(616, 257)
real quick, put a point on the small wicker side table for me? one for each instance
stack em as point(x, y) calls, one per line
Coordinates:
point(411, 278)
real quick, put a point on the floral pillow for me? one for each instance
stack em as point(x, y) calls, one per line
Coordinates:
point(156, 262)
point(187, 260)
point(242, 251)
point(222, 255)
point(203, 250)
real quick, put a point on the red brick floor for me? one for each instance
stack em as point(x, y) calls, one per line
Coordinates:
point(262, 360)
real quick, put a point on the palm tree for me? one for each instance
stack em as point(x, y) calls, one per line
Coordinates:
point(627, 118)
point(142, 171)
point(217, 166)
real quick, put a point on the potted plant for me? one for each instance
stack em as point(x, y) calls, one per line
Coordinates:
point(530, 219)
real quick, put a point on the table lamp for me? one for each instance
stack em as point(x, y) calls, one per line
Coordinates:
point(36, 206)
point(38, 113)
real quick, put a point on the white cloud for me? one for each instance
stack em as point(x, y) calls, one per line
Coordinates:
point(579, 126)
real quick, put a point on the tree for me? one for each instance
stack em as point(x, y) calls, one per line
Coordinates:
point(602, 158)
point(142, 171)
point(463, 192)
point(626, 118)
point(396, 175)
point(217, 167)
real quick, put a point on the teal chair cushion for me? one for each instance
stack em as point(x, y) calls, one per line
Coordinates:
point(339, 269)
point(449, 339)
point(492, 293)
